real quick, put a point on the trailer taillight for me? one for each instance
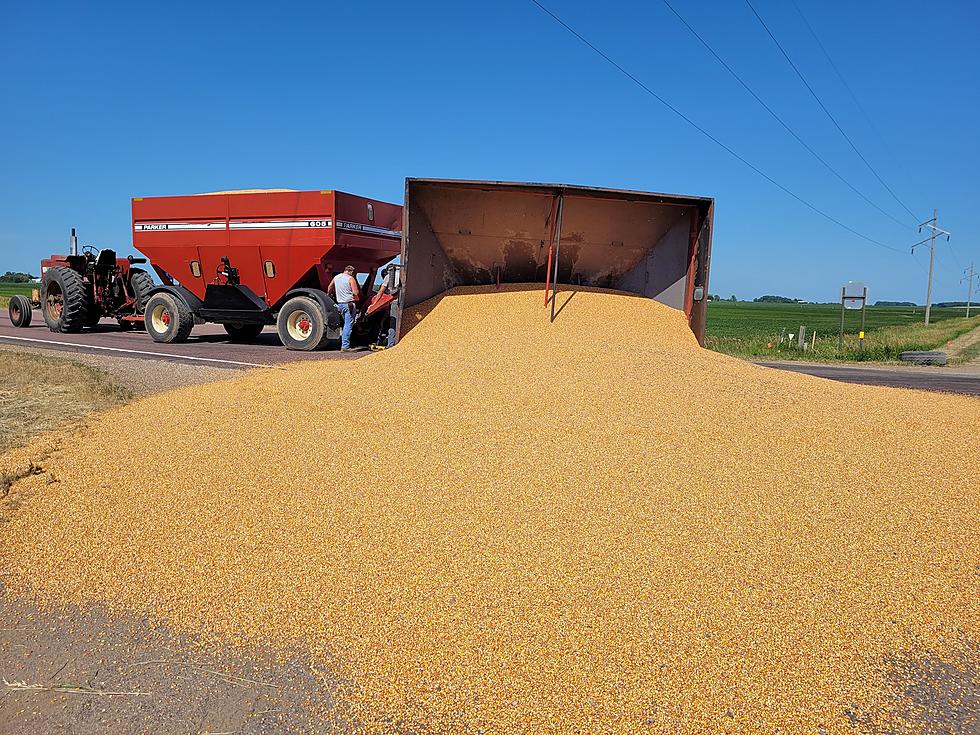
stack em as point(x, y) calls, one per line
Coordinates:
point(196, 269)
point(270, 269)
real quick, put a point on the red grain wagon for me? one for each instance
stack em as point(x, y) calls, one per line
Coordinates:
point(252, 258)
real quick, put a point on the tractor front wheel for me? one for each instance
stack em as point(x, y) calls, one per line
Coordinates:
point(19, 311)
point(240, 332)
point(167, 318)
point(64, 300)
point(302, 325)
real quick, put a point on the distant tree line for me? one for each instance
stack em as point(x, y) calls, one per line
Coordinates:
point(769, 299)
point(895, 303)
point(12, 277)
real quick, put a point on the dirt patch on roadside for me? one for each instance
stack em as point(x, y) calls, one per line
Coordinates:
point(965, 349)
point(83, 671)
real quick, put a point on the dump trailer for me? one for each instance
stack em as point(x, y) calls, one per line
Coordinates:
point(248, 259)
point(460, 233)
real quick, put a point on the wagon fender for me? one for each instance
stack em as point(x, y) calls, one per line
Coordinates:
point(190, 300)
point(329, 306)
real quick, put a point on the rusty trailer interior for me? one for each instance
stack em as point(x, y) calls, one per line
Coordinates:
point(458, 233)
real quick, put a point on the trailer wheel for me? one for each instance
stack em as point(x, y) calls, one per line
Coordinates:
point(240, 332)
point(167, 318)
point(141, 284)
point(302, 325)
point(19, 310)
point(64, 300)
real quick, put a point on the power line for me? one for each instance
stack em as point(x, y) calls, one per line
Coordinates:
point(708, 135)
point(824, 108)
point(777, 118)
point(837, 71)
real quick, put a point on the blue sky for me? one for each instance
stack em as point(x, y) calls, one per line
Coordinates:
point(105, 101)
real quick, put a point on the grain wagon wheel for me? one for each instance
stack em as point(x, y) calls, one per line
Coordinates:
point(64, 300)
point(167, 318)
point(19, 311)
point(302, 325)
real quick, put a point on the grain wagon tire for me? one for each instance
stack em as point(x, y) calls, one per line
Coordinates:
point(302, 325)
point(64, 300)
point(19, 311)
point(167, 318)
point(239, 332)
point(140, 283)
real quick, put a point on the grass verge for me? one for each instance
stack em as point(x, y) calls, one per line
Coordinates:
point(9, 289)
point(39, 393)
point(883, 344)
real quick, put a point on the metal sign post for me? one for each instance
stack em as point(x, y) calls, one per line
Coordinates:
point(853, 295)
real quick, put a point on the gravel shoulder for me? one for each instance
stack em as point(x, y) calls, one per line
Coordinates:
point(140, 376)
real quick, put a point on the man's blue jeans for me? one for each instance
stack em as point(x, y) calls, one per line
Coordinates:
point(346, 311)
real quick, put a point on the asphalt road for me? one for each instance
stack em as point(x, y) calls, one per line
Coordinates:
point(948, 380)
point(208, 344)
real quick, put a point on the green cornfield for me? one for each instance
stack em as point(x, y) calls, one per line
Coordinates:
point(748, 329)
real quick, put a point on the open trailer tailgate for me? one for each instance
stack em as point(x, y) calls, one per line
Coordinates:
point(460, 233)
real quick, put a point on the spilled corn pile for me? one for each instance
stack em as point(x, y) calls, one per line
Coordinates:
point(505, 525)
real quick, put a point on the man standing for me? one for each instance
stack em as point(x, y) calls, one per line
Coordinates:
point(343, 288)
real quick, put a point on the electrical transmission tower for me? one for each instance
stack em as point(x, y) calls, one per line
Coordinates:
point(968, 275)
point(932, 224)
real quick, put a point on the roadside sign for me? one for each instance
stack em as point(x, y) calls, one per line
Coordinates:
point(854, 294)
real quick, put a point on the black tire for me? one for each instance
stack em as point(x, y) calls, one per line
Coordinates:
point(167, 318)
point(20, 311)
point(125, 325)
point(140, 283)
point(64, 300)
point(239, 332)
point(302, 325)
point(94, 313)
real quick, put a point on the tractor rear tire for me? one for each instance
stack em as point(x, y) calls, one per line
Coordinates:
point(20, 311)
point(140, 283)
point(167, 318)
point(240, 332)
point(94, 315)
point(64, 300)
point(302, 325)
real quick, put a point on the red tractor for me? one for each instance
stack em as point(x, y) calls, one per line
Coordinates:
point(79, 289)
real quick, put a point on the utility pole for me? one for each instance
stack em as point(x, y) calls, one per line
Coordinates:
point(933, 225)
point(968, 276)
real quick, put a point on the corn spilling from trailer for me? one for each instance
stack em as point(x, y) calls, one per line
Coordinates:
point(542, 527)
